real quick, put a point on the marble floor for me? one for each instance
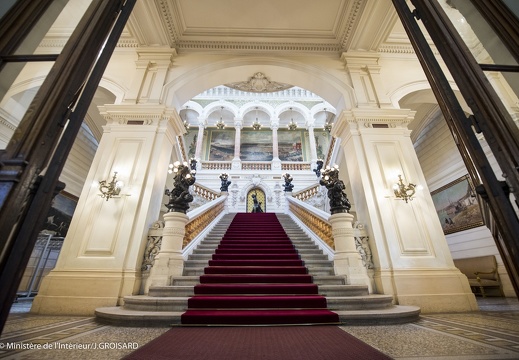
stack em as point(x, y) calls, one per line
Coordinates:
point(491, 333)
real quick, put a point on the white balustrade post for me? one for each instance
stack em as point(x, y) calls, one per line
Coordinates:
point(347, 260)
point(169, 261)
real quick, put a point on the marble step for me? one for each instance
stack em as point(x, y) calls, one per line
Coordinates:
point(308, 257)
point(317, 279)
point(307, 262)
point(301, 251)
point(194, 271)
point(118, 315)
point(150, 303)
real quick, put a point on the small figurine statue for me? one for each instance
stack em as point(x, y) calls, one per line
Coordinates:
point(339, 202)
point(288, 182)
point(256, 207)
point(317, 170)
point(225, 182)
point(179, 197)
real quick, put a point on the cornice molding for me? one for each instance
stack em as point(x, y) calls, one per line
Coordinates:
point(351, 22)
point(61, 41)
point(402, 49)
point(256, 47)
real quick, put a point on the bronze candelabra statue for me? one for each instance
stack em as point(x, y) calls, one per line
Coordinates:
point(339, 202)
point(317, 170)
point(225, 182)
point(179, 196)
point(288, 182)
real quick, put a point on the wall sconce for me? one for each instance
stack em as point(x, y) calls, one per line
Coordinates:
point(402, 191)
point(111, 189)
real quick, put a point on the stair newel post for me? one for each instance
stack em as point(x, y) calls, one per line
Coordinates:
point(347, 260)
point(169, 261)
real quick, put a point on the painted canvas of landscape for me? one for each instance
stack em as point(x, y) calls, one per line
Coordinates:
point(290, 145)
point(221, 145)
point(256, 146)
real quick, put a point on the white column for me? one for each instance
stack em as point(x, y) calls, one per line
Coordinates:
point(151, 69)
point(199, 140)
point(276, 162)
point(347, 260)
point(410, 252)
point(101, 256)
point(169, 261)
point(236, 162)
point(313, 146)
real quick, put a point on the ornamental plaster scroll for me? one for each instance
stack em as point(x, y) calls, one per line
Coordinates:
point(258, 83)
point(154, 241)
point(234, 194)
point(254, 181)
point(364, 250)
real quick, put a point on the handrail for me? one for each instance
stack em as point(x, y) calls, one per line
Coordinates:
point(216, 165)
point(205, 192)
point(315, 220)
point(296, 166)
point(328, 160)
point(307, 193)
point(201, 217)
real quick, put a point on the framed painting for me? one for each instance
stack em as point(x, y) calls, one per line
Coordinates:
point(457, 206)
point(60, 215)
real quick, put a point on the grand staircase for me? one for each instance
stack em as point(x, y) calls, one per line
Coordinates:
point(259, 269)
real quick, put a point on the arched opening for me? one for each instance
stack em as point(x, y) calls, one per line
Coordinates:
point(256, 201)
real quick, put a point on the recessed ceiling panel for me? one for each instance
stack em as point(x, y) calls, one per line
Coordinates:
point(264, 17)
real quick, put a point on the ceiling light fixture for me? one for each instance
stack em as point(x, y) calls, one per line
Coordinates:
point(256, 124)
point(220, 124)
point(292, 125)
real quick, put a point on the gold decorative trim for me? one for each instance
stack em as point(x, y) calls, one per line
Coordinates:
point(198, 224)
point(320, 227)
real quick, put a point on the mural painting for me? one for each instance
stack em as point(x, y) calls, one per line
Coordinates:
point(290, 145)
point(190, 139)
point(322, 143)
point(256, 145)
point(221, 146)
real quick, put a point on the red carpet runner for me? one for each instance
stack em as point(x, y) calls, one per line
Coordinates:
point(256, 277)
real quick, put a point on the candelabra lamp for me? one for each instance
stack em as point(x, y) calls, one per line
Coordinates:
point(225, 182)
point(288, 186)
point(110, 189)
point(179, 196)
point(192, 164)
point(403, 191)
point(339, 202)
point(317, 170)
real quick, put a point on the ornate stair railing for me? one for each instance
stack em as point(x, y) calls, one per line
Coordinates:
point(204, 192)
point(316, 222)
point(200, 218)
point(307, 193)
point(200, 221)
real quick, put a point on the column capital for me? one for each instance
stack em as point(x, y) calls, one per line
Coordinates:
point(141, 114)
point(202, 122)
point(372, 119)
